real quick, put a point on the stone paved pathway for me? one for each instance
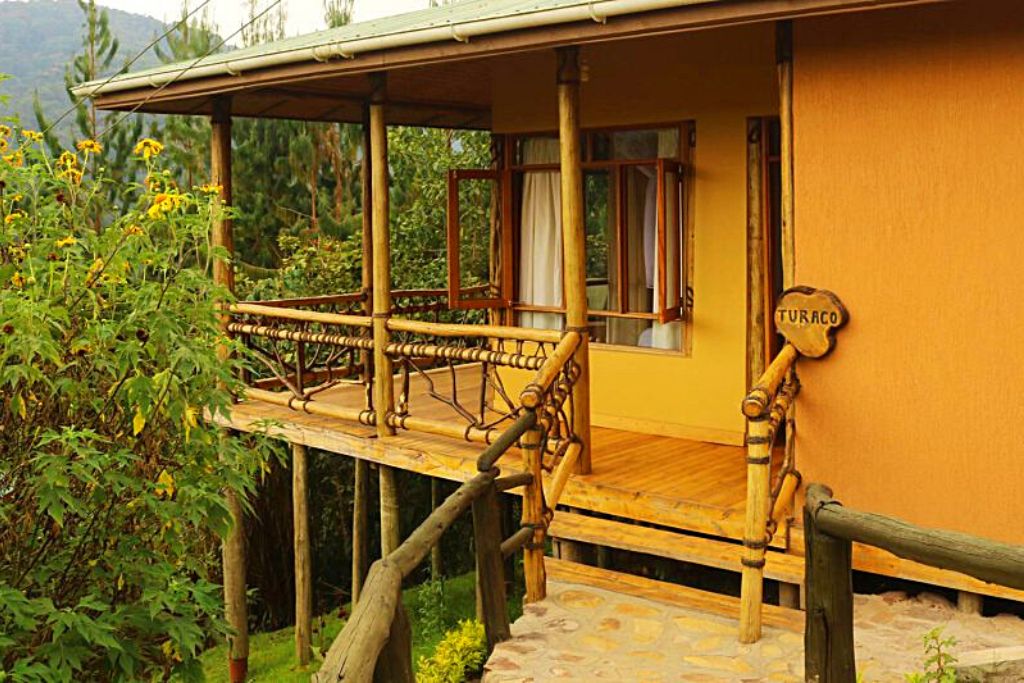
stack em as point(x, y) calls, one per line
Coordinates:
point(587, 634)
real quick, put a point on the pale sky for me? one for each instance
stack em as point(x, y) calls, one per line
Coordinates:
point(303, 16)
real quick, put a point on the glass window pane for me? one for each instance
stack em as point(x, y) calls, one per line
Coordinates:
point(660, 143)
point(478, 238)
point(599, 217)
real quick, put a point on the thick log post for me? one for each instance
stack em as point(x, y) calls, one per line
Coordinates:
point(233, 549)
point(755, 529)
point(574, 239)
point(490, 573)
point(533, 517)
point(394, 664)
point(303, 568)
point(384, 389)
point(828, 637)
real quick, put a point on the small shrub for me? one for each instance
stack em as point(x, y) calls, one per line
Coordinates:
point(432, 608)
point(939, 663)
point(462, 651)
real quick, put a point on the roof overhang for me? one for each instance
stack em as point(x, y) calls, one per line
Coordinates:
point(325, 79)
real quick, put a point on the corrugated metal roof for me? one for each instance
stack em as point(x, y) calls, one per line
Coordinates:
point(453, 15)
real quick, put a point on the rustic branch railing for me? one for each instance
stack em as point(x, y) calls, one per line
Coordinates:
point(830, 531)
point(766, 407)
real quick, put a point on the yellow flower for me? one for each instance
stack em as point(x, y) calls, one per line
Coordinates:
point(66, 242)
point(18, 280)
point(148, 148)
point(16, 160)
point(209, 188)
point(89, 146)
point(32, 135)
point(165, 484)
point(96, 266)
point(164, 203)
point(13, 216)
point(3, 144)
point(67, 160)
point(5, 131)
point(133, 231)
point(72, 175)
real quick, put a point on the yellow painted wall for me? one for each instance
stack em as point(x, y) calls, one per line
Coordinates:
point(717, 78)
point(909, 143)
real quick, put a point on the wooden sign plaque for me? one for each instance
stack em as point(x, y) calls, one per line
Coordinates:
point(808, 318)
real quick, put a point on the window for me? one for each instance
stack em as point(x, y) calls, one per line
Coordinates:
point(634, 187)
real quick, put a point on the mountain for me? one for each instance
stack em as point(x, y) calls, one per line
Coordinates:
point(39, 37)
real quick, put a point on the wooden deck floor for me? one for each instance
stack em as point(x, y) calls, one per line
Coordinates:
point(673, 482)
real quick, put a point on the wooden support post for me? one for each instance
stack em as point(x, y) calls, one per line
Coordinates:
point(969, 603)
point(435, 552)
point(361, 475)
point(574, 239)
point(233, 549)
point(828, 637)
point(303, 568)
point(784, 55)
point(757, 278)
point(755, 529)
point(490, 573)
point(384, 389)
point(533, 516)
point(789, 595)
point(394, 664)
point(360, 526)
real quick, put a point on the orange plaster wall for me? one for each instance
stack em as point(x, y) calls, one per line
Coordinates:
point(718, 79)
point(909, 144)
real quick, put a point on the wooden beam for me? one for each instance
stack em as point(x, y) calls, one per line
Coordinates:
point(533, 517)
point(233, 548)
point(574, 240)
point(303, 568)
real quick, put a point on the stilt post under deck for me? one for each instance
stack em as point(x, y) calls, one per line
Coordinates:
point(384, 390)
point(303, 568)
point(574, 239)
point(361, 474)
point(233, 548)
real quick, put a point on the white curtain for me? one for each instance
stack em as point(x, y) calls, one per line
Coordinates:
point(540, 263)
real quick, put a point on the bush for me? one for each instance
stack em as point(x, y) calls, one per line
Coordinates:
point(111, 481)
point(462, 651)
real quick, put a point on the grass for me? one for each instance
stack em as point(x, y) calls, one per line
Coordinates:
point(272, 655)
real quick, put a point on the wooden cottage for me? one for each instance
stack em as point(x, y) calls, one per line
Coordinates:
point(663, 171)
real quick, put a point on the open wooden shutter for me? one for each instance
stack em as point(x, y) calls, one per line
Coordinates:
point(671, 302)
point(477, 249)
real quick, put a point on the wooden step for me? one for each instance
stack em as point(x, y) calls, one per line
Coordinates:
point(709, 552)
point(668, 593)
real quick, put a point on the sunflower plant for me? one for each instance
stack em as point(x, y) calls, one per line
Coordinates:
point(112, 479)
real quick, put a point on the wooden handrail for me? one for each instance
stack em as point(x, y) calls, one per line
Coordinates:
point(353, 656)
point(830, 531)
point(490, 455)
point(521, 361)
point(488, 331)
point(533, 393)
point(299, 335)
point(758, 401)
point(302, 316)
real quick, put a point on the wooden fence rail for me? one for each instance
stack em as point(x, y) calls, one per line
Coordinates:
point(830, 531)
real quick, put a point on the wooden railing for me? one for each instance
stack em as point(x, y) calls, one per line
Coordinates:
point(375, 643)
point(830, 531)
point(766, 408)
point(299, 354)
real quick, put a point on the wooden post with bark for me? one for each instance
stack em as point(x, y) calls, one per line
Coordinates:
point(233, 548)
point(384, 390)
point(303, 568)
point(490, 573)
point(574, 239)
point(828, 637)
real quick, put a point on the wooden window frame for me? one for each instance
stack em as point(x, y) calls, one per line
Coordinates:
point(456, 299)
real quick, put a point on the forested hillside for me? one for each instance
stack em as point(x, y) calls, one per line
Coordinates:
point(39, 37)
